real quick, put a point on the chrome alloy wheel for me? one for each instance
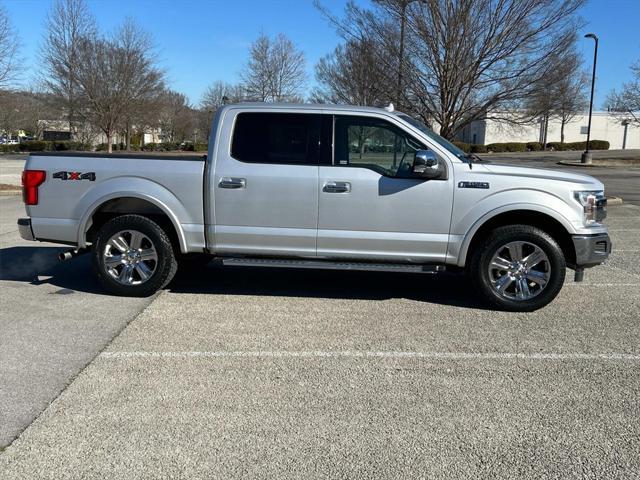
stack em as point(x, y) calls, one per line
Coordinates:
point(130, 257)
point(519, 270)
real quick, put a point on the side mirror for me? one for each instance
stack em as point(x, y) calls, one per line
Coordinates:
point(426, 164)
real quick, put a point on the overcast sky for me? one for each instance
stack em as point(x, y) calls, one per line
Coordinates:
point(200, 41)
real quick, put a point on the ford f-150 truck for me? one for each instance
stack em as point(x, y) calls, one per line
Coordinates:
point(320, 186)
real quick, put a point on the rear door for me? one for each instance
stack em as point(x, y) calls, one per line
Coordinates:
point(371, 205)
point(266, 184)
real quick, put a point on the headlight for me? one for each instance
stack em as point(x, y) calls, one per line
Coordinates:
point(594, 205)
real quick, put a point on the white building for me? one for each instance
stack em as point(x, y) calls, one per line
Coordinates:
point(59, 130)
point(604, 126)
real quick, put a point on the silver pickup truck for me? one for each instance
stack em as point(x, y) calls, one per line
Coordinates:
point(320, 186)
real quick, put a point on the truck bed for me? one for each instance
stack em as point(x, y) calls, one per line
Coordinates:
point(78, 184)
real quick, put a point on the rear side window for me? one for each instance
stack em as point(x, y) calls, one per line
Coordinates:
point(289, 138)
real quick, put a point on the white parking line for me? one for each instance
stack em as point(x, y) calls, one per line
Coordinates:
point(374, 354)
point(583, 284)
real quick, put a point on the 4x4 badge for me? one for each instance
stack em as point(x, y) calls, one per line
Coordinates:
point(91, 176)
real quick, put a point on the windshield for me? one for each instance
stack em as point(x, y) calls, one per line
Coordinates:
point(446, 144)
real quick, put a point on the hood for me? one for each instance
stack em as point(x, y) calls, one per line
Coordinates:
point(584, 182)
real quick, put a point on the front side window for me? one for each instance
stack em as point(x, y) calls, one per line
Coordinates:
point(443, 142)
point(374, 144)
point(264, 137)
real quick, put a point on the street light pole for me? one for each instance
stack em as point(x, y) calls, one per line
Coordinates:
point(625, 123)
point(586, 156)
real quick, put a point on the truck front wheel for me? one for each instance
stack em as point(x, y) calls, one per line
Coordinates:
point(133, 256)
point(518, 268)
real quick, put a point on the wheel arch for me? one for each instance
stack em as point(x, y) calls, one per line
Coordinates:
point(116, 204)
point(558, 227)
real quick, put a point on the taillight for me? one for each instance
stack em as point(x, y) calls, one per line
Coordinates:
point(31, 180)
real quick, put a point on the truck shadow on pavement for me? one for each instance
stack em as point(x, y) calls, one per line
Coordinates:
point(40, 265)
point(445, 288)
point(28, 264)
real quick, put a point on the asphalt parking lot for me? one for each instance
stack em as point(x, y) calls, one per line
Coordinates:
point(287, 374)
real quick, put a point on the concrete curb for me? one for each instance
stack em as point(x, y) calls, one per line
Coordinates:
point(600, 163)
point(7, 193)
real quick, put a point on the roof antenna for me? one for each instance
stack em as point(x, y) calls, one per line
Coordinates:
point(389, 108)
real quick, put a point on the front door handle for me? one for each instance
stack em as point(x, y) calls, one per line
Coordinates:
point(232, 182)
point(337, 187)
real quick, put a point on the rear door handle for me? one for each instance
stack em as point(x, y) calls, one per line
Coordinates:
point(232, 182)
point(337, 187)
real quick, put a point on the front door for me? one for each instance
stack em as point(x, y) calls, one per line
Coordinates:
point(266, 185)
point(372, 206)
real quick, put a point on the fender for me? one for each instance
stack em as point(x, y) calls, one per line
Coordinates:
point(135, 187)
point(458, 250)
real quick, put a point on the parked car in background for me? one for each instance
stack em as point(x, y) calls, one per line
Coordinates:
point(320, 186)
point(9, 140)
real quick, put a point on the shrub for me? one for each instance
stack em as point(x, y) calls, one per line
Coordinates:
point(36, 146)
point(593, 144)
point(161, 147)
point(9, 148)
point(496, 147)
point(507, 147)
point(478, 149)
point(201, 147)
point(557, 146)
point(599, 145)
point(463, 146)
point(534, 146)
point(61, 145)
point(69, 145)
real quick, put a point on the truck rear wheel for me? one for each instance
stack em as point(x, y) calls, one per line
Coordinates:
point(518, 268)
point(133, 256)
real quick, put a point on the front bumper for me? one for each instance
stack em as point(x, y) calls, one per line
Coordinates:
point(591, 250)
point(24, 227)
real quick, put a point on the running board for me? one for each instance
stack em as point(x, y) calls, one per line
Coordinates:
point(332, 265)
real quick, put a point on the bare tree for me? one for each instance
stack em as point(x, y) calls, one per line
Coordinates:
point(466, 59)
point(288, 68)
point(570, 92)
point(626, 103)
point(561, 94)
point(258, 72)
point(10, 115)
point(352, 75)
point(143, 81)
point(275, 71)
point(177, 119)
point(220, 93)
point(8, 48)
point(68, 24)
point(115, 76)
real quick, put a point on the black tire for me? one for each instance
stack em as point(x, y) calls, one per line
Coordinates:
point(164, 266)
point(554, 266)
